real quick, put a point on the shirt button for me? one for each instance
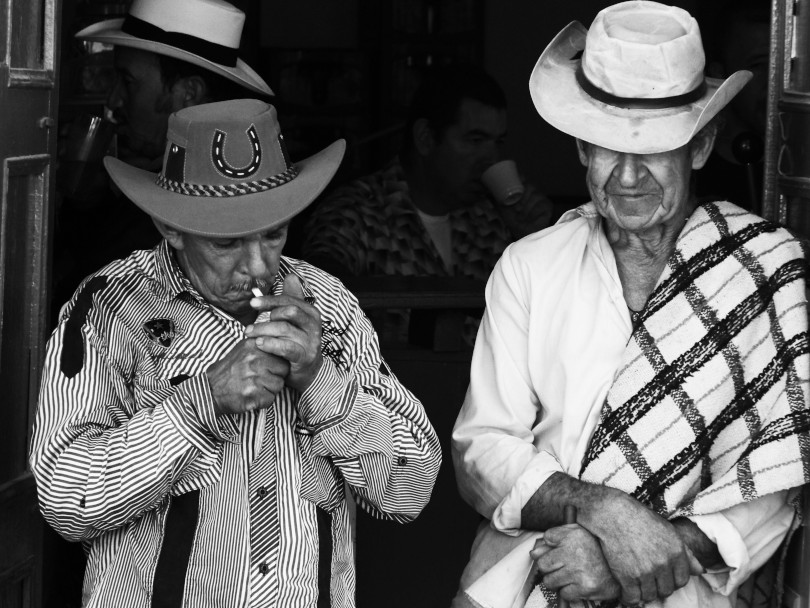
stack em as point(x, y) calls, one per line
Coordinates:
point(262, 492)
point(402, 461)
point(264, 568)
point(82, 503)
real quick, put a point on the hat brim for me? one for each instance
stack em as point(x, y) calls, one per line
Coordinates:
point(109, 32)
point(235, 216)
point(561, 101)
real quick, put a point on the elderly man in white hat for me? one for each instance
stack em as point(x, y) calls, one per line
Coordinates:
point(637, 416)
point(207, 455)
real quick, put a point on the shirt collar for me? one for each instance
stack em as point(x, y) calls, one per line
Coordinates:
point(597, 241)
point(169, 274)
point(587, 211)
point(287, 267)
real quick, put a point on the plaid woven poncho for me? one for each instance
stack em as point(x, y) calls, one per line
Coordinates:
point(709, 407)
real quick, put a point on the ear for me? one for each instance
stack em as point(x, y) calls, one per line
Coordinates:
point(702, 144)
point(582, 151)
point(192, 91)
point(423, 138)
point(172, 235)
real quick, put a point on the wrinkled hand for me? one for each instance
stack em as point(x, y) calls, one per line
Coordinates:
point(531, 213)
point(644, 551)
point(293, 332)
point(246, 379)
point(570, 562)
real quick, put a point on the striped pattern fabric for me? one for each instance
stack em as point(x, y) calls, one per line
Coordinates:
point(709, 408)
point(125, 426)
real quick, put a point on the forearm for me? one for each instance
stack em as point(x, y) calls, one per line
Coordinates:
point(378, 436)
point(545, 509)
point(95, 477)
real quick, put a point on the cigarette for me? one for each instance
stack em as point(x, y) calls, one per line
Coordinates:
point(264, 316)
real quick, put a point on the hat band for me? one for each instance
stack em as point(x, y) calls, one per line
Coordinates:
point(262, 185)
point(633, 103)
point(211, 51)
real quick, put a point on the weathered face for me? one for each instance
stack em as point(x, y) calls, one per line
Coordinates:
point(637, 192)
point(141, 103)
point(466, 148)
point(224, 270)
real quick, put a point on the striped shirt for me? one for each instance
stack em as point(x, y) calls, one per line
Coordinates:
point(181, 507)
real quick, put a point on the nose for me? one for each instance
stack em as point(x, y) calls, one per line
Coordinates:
point(489, 154)
point(115, 97)
point(492, 153)
point(629, 170)
point(255, 263)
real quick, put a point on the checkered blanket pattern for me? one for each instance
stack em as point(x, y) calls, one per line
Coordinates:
point(709, 407)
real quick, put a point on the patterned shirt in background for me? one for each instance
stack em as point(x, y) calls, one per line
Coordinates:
point(240, 510)
point(371, 227)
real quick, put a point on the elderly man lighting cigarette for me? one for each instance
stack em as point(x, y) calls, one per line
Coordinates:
point(207, 458)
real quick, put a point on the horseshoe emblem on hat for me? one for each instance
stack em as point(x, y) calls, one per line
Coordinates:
point(218, 155)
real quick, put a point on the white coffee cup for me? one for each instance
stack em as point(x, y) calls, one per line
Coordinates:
point(503, 182)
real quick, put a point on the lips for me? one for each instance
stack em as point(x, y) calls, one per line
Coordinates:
point(631, 194)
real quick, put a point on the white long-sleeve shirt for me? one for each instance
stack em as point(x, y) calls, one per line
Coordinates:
point(550, 342)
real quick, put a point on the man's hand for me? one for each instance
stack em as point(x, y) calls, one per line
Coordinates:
point(570, 561)
point(531, 213)
point(644, 551)
point(646, 554)
point(246, 379)
point(292, 333)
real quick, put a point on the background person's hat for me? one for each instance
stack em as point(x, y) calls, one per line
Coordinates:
point(206, 33)
point(632, 83)
point(226, 172)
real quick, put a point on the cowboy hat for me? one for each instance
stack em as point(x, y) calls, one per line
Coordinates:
point(226, 172)
point(206, 33)
point(633, 82)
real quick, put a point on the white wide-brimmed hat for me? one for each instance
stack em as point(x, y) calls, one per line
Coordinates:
point(206, 33)
point(632, 83)
point(226, 172)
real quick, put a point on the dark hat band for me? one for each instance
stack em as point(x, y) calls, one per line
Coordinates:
point(632, 103)
point(211, 51)
point(240, 189)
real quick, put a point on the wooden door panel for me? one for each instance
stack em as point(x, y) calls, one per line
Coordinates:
point(31, 43)
point(27, 146)
point(22, 230)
